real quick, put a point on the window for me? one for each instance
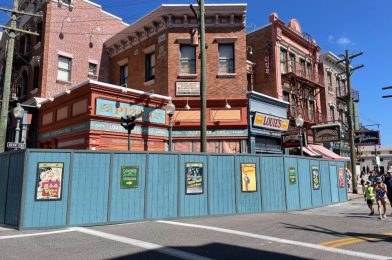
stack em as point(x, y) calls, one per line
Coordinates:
point(293, 106)
point(309, 70)
point(187, 59)
point(286, 96)
point(92, 69)
point(343, 88)
point(329, 80)
point(302, 63)
point(292, 62)
point(39, 31)
point(64, 69)
point(36, 77)
point(341, 116)
point(123, 74)
point(226, 58)
point(283, 61)
point(331, 114)
point(150, 66)
point(312, 109)
point(337, 86)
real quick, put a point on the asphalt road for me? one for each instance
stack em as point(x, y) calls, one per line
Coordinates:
point(343, 231)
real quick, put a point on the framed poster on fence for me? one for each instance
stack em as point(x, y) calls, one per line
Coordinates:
point(341, 177)
point(248, 177)
point(292, 176)
point(315, 177)
point(194, 178)
point(49, 181)
point(129, 177)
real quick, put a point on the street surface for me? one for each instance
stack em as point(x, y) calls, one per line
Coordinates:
point(343, 231)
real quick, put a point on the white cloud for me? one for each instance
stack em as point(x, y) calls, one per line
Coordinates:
point(344, 41)
point(331, 38)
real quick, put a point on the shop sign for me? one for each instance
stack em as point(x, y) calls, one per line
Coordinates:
point(193, 178)
point(112, 108)
point(270, 122)
point(367, 138)
point(248, 177)
point(142, 130)
point(292, 176)
point(326, 133)
point(188, 88)
point(64, 131)
point(293, 140)
point(49, 180)
point(212, 133)
point(129, 177)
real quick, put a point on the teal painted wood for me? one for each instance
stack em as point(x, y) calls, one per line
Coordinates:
point(342, 190)
point(292, 190)
point(127, 204)
point(4, 165)
point(14, 191)
point(305, 183)
point(45, 213)
point(193, 204)
point(273, 185)
point(90, 187)
point(334, 183)
point(162, 185)
point(325, 178)
point(316, 193)
point(248, 202)
point(222, 193)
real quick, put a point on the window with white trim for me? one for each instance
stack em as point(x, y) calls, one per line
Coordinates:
point(187, 59)
point(64, 69)
point(92, 69)
point(283, 61)
point(150, 66)
point(123, 74)
point(226, 59)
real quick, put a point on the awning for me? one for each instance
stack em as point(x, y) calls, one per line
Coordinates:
point(315, 150)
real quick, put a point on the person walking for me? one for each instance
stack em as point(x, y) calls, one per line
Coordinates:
point(369, 197)
point(381, 197)
point(388, 183)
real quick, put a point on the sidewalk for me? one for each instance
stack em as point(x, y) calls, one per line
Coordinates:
point(353, 196)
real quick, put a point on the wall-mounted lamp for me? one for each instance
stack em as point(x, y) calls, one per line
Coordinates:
point(227, 106)
point(250, 50)
point(66, 19)
point(187, 107)
point(68, 91)
point(51, 99)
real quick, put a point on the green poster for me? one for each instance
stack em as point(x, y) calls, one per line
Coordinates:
point(292, 176)
point(129, 177)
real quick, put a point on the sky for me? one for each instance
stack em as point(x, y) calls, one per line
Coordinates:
point(336, 25)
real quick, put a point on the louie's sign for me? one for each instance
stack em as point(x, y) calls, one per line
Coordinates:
point(270, 122)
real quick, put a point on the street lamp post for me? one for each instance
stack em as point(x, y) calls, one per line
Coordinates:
point(18, 112)
point(299, 122)
point(170, 109)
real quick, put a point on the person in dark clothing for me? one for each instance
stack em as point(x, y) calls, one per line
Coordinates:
point(388, 183)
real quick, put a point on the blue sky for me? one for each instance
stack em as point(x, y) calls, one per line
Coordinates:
point(336, 25)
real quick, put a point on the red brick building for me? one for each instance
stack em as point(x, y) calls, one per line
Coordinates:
point(155, 55)
point(288, 68)
point(67, 51)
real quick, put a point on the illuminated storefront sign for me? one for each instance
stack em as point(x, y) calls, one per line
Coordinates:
point(270, 122)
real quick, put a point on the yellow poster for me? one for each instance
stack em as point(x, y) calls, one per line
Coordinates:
point(248, 177)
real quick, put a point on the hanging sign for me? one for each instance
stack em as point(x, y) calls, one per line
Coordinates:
point(367, 138)
point(326, 133)
point(129, 177)
point(292, 176)
point(293, 140)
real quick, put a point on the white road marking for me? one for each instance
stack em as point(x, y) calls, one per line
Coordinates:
point(280, 240)
point(143, 244)
point(37, 234)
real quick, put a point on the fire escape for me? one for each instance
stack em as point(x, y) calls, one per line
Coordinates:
point(305, 80)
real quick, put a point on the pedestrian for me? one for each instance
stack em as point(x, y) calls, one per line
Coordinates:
point(388, 183)
point(369, 197)
point(381, 197)
point(363, 183)
point(348, 179)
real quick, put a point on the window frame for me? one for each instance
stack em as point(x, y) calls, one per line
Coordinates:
point(124, 74)
point(150, 66)
point(191, 62)
point(221, 61)
point(69, 70)
point(89, 69)
point(283, 61)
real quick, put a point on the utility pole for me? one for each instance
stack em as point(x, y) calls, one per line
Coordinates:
point(349, 70)
point(203, 105)
point(12, 30)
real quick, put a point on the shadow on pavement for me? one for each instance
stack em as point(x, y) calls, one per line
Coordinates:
point(364, 236)
point(214, 251)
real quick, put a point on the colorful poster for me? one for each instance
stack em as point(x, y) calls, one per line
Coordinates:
point(193, 178)
point(292, 176)
point(49, 181)
point(341, 178)
point(315, 177)
point(248, 177)
point(129, 177)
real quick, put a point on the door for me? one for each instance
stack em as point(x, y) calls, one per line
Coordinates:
point(334, 184)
